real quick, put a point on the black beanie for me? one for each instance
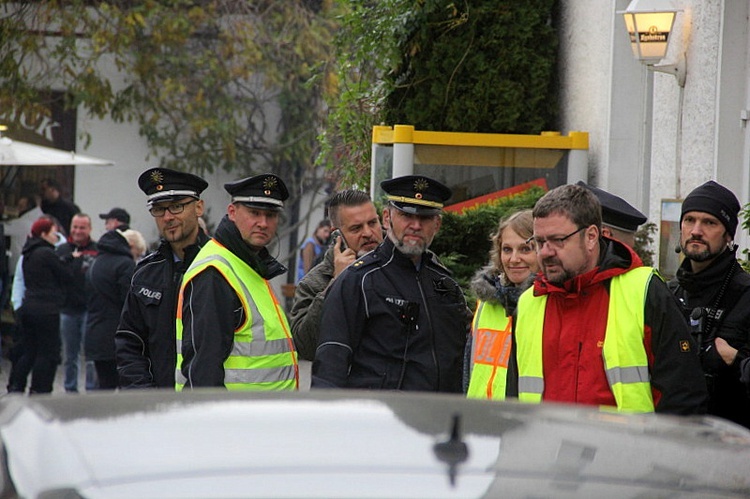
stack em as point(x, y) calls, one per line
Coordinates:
point(716, 200)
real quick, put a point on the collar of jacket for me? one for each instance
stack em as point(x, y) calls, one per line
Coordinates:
point(261, 261)
point(165, 249)
point(35, 242)
point(328, 257)
point(491, 287)
point(709, 277)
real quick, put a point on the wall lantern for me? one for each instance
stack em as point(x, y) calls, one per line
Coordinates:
point(649, 24)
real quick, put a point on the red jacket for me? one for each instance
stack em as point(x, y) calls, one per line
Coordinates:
point(574, 328)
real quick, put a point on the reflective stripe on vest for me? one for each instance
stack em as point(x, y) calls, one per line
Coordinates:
point(530, 325)
point(263, 355)
point(491, 343)
point(625, 358)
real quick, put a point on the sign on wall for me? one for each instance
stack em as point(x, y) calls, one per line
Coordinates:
point(669, 237)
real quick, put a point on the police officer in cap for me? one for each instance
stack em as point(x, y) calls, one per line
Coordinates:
point(395, 319)
point(145, 338)
point(231, 330)
point(620, 220)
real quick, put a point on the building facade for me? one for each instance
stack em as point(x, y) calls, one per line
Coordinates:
point(651, 140)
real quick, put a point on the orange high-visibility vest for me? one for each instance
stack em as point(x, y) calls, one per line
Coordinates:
point(491, 343)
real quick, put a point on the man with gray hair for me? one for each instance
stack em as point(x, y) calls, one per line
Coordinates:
point(357, 231)
point(395, 319)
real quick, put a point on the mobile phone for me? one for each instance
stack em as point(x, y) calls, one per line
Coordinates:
point(342, 242)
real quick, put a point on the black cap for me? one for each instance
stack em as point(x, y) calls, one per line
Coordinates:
point(416, 194)
point(717, 200)
point(265, 191)
point(616, 211)
point(163, 184)
point(118, 214)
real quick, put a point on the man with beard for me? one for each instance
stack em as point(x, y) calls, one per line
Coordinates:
point(395, 319)
point(597, 327)
point(145, 339)
point(715, 293)
point(231, 330)
point(353, 215)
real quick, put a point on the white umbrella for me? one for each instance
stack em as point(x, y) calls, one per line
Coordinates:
point(16, 153)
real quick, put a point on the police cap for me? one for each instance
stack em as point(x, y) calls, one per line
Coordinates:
point(416, 194)
point(265, 191)
point(616, 211)
point(163, 184)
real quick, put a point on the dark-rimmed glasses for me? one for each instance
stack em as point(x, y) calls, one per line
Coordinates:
point(555, 243)
point(174, 209)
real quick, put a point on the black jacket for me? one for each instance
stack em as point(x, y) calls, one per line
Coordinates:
point(221, 311)
point(387, 325)
point(108, 281)
point(728, 397)
point(44, 275)
point(145, 341)
point(75, 287)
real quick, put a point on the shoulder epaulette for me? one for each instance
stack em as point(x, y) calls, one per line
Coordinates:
point(365, 261)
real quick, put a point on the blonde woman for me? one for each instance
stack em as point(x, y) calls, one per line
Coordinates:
point(136, 242)
point(498, 285)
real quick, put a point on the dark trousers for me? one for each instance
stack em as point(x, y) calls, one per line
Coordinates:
point(106, 374)
point(39, 355)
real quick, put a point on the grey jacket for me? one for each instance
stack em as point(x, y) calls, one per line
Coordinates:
point(307, 308)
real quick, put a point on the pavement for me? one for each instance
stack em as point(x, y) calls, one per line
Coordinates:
point(305, 367)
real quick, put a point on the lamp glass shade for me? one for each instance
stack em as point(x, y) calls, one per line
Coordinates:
point(649, 33)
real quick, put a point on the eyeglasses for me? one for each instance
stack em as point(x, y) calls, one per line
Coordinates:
point(174, 209)
point(555, 243)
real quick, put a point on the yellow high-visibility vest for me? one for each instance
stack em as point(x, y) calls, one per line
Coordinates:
point(491, 344)
point(263, 356)
point(625, 358)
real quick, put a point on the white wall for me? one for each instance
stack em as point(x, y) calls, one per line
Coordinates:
point(97, 189)
point(650, 139)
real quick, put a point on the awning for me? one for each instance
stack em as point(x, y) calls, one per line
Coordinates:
point(16, 153)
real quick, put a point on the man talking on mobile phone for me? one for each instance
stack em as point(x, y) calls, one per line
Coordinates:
point(395, 319)
point(357, 232)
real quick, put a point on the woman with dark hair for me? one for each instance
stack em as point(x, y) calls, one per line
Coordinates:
point(44, 274)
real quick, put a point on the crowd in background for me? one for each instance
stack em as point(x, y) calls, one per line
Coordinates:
point(566, 311)
point(66, 292)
